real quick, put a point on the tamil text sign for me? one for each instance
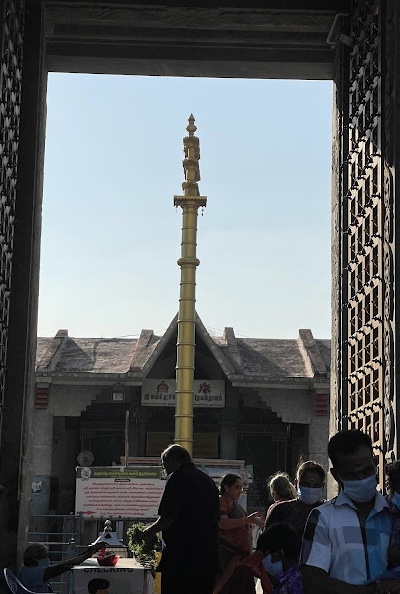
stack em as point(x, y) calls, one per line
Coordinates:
point(161, 392)
point(118, 492)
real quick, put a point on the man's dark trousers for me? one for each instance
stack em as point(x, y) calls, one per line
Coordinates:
point(172, 583)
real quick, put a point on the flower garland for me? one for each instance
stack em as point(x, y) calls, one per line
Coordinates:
point(144, 551)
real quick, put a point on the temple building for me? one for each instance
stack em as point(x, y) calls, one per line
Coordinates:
point(264, 401)
point(253, 405)
point(354, 43)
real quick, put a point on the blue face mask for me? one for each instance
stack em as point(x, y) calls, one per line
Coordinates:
point(396, 499)
point(43, 562)
point(310, 495)
point(360, 491)
point(272, 567)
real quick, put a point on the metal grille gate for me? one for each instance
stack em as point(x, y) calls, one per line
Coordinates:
point(10, 103)
point(365, 345)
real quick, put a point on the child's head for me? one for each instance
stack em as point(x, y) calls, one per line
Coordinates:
point(281, 543)
point(34, 553)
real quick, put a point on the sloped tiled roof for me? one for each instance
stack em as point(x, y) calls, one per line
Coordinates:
point(241, 359)
point(101, 355)
point(262, 356)
point(41, 347)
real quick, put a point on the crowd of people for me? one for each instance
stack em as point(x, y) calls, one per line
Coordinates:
point(347, 545)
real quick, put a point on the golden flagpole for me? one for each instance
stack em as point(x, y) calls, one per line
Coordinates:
point(190, 202)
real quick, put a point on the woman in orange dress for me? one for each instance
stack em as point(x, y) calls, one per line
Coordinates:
point(235, 539)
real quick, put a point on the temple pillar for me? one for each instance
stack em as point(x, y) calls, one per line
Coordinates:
point(319, 426)
point(137, 430)
point(133, 434)
point(42, 462)
point(141, 428)
point(228, 428)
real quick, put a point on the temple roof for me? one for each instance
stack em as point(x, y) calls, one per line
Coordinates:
point(242, 360)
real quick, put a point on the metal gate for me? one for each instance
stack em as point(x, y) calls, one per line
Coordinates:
point(10, 104)
point(363, 250)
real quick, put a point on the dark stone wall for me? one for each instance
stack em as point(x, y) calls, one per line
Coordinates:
point(22, 321)
point(392, 158)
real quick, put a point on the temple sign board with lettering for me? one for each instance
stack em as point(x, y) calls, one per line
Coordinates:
point(118, 491)
point(161, 392)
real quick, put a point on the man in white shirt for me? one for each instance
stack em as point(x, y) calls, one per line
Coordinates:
point(346, 540)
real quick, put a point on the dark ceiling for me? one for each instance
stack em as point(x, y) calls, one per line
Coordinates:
point(220, 38)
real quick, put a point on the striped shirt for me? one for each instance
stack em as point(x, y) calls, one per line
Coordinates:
point(349, 547)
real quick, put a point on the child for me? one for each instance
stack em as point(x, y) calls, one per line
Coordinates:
point(277, 554)
point(37, 569)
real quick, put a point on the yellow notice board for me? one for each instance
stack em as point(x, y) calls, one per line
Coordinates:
point(205, 444)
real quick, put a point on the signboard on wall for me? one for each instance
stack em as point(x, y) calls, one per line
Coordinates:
point(161, 392)
point(118, 492)
point(205, 445)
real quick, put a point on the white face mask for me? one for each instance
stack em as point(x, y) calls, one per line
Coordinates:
point(310, 495)
point(362, 490)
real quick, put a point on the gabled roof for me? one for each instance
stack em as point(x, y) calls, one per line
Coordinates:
point(159, 347)
point(240, 359)
point(212, 344)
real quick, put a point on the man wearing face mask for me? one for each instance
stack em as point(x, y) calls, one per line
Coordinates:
point(37, 571)
point(310, 480)
point(346, 540)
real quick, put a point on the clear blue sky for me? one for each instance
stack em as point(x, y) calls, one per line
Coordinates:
point(111, 235)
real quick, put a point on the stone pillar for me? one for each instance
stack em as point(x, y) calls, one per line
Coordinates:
point(42, 462)
point(319, 427)
point(68, 449)
point(137, 424)
point(318, 435)
point(141, 427)
point(229, 423)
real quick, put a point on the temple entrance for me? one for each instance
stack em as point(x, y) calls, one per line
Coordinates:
point(353, 43)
